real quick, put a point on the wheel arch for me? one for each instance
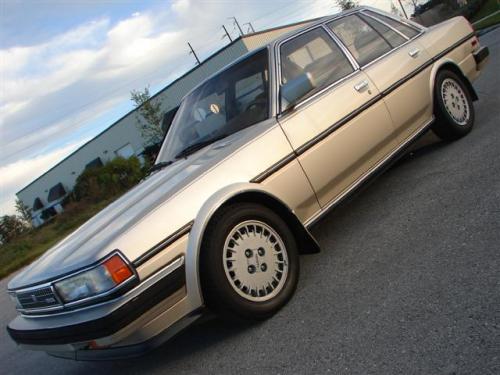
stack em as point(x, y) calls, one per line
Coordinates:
point(238, 193)
point(448, 64)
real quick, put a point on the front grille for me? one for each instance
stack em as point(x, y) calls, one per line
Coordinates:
point(38, 298)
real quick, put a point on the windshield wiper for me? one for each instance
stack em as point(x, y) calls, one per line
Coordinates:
point(158, 166)
point(199, 145)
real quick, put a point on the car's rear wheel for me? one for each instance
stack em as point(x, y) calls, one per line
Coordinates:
point(249, 264)
point(453, 107)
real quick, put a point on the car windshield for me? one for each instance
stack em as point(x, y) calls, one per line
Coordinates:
point(231, 101)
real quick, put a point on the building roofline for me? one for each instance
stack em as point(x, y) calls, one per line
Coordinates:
point(210, 57)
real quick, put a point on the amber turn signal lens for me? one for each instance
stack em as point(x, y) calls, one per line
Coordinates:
point(118, 269)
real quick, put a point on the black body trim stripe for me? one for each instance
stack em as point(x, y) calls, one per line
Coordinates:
point(274, 168)
point(372, 175)
point(163, 244)
point(309, 144)
point(306, 146)
point(108, 324)
point(405, 79)
point(455, 45)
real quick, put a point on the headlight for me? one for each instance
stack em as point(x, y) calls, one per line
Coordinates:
point(97, 280)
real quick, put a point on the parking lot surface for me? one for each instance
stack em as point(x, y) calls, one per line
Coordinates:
point(408, 280)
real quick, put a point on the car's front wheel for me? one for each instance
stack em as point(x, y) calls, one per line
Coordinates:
point(249, 264)
point(453, 107)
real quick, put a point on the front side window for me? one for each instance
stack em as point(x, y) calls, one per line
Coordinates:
point(362, 40)
point(410, 32)
point(231, 101)
point(316, 54)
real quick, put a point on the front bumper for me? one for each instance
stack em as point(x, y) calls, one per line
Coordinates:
point(129, 351)
point(139, 320)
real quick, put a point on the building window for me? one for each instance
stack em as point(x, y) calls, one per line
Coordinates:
point(37, 204)
point(56, 192)
point(126, 151)
point(97, 162)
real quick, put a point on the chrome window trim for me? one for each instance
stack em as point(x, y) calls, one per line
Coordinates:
point(385, 24)
point(406, 22)
point(336, 41)
point(388, 52)
point(62, 305)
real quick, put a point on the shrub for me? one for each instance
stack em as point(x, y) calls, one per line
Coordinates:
point(11, 226)
point(111, 179)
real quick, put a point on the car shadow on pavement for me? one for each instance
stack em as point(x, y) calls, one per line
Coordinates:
point(428, 144)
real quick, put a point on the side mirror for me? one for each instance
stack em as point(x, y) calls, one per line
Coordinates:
point(295, 89)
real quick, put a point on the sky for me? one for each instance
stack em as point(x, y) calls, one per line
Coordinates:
point(67, 67)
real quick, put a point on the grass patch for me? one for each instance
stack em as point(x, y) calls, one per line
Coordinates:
point(490, 21)
point(29, 246)
point(489, 7)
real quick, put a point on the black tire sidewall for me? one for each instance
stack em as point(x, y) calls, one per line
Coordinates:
point(218, 293)
point(445, 126)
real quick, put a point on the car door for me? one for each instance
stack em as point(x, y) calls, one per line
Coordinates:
point(389, 53)
point(340, 129)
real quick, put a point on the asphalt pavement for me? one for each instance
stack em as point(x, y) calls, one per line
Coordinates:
point(408, 281)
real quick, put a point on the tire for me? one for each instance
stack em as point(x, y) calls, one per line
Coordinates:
point(453, 107)
point(223, 282)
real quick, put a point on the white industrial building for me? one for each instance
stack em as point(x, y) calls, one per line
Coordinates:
point(123, 138)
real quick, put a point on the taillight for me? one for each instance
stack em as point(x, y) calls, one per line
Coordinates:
point(475, 44)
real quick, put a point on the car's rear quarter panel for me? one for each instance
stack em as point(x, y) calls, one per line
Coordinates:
point(451, 41)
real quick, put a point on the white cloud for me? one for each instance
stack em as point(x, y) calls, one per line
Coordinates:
point(61, 86)
point(20, 173)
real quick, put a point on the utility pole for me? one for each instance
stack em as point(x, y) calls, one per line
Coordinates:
point(237, 24)
point(404, 11)
point(227, 34)
point(194, 53)
point(250, 27)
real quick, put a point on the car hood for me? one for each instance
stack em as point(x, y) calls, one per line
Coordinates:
point(93, 240)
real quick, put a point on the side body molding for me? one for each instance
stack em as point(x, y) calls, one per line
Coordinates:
point(236, 192)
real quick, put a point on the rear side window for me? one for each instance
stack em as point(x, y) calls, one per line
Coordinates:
point(315, 53)
point(409, 31)
point(363, 41)
point(392, 37)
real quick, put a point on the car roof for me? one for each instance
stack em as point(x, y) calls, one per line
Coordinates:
point(271, 45)
point(315, 22)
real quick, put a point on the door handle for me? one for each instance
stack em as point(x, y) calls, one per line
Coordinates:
point(360, 86)
point(414, 52)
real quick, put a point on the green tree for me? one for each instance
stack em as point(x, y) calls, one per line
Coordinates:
point(149, 121)
point(23, 211)
point(11, 226)
point(110, 180)
point(347, 4)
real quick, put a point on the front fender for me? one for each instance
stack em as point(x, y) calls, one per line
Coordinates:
point(201, 221)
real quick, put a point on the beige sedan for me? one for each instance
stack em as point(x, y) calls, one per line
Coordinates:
point(254, 156)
